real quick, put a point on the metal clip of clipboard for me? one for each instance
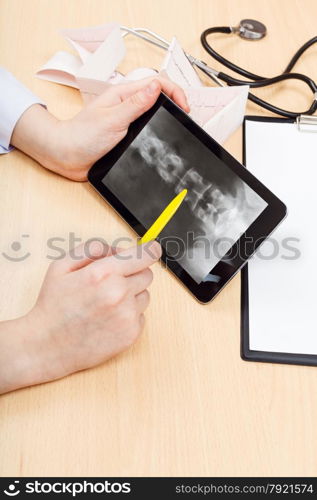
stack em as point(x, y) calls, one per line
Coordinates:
point(306, 123)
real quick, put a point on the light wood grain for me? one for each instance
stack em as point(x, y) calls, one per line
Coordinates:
point(181, 401)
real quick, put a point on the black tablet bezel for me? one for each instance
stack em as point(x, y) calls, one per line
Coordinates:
point(260, 229)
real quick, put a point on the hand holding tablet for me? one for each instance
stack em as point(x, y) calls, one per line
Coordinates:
point(227, 212)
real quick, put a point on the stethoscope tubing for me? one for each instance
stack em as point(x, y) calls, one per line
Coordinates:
point(253, 80)
point(257, 81)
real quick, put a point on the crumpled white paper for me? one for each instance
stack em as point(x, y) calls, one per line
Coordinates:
point(100, 49)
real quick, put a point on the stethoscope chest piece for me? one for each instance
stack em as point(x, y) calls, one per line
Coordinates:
point(250, 29)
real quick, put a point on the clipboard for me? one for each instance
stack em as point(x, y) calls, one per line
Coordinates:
point(267, 333)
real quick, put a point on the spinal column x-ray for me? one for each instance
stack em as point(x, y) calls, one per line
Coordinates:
point(166, 158)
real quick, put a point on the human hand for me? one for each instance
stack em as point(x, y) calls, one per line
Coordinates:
point(89, 309)
point(71, 147)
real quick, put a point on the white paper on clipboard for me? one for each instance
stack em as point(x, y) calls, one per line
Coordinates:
point(282, 290)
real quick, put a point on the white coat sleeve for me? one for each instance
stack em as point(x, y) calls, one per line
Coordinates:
point(15, 98)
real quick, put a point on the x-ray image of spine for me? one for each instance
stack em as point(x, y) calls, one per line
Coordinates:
point(166, 158)
point(157, 154)
point(195, 185)
point(207, 201)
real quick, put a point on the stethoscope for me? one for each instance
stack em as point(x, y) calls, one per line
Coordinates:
point(249, 30)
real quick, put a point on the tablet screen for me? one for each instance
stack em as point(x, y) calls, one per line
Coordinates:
point(166, 158)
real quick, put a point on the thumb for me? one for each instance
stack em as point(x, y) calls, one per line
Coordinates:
point(137, 104)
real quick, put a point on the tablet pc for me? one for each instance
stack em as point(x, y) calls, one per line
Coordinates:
point(225, 216)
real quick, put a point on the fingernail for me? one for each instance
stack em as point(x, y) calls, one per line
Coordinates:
point(153, 87)
point(155, 249)
point(187, 107)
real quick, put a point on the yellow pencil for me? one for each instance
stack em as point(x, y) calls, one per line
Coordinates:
point(164, 218)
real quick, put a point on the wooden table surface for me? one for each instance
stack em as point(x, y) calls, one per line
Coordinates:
point(181, 401)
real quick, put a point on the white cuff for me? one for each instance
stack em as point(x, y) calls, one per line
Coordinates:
point(15, 98)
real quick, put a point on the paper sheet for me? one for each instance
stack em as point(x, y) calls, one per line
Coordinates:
point(218, 110)
point(282, 290)
point(177, 67)
point(100, 49)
